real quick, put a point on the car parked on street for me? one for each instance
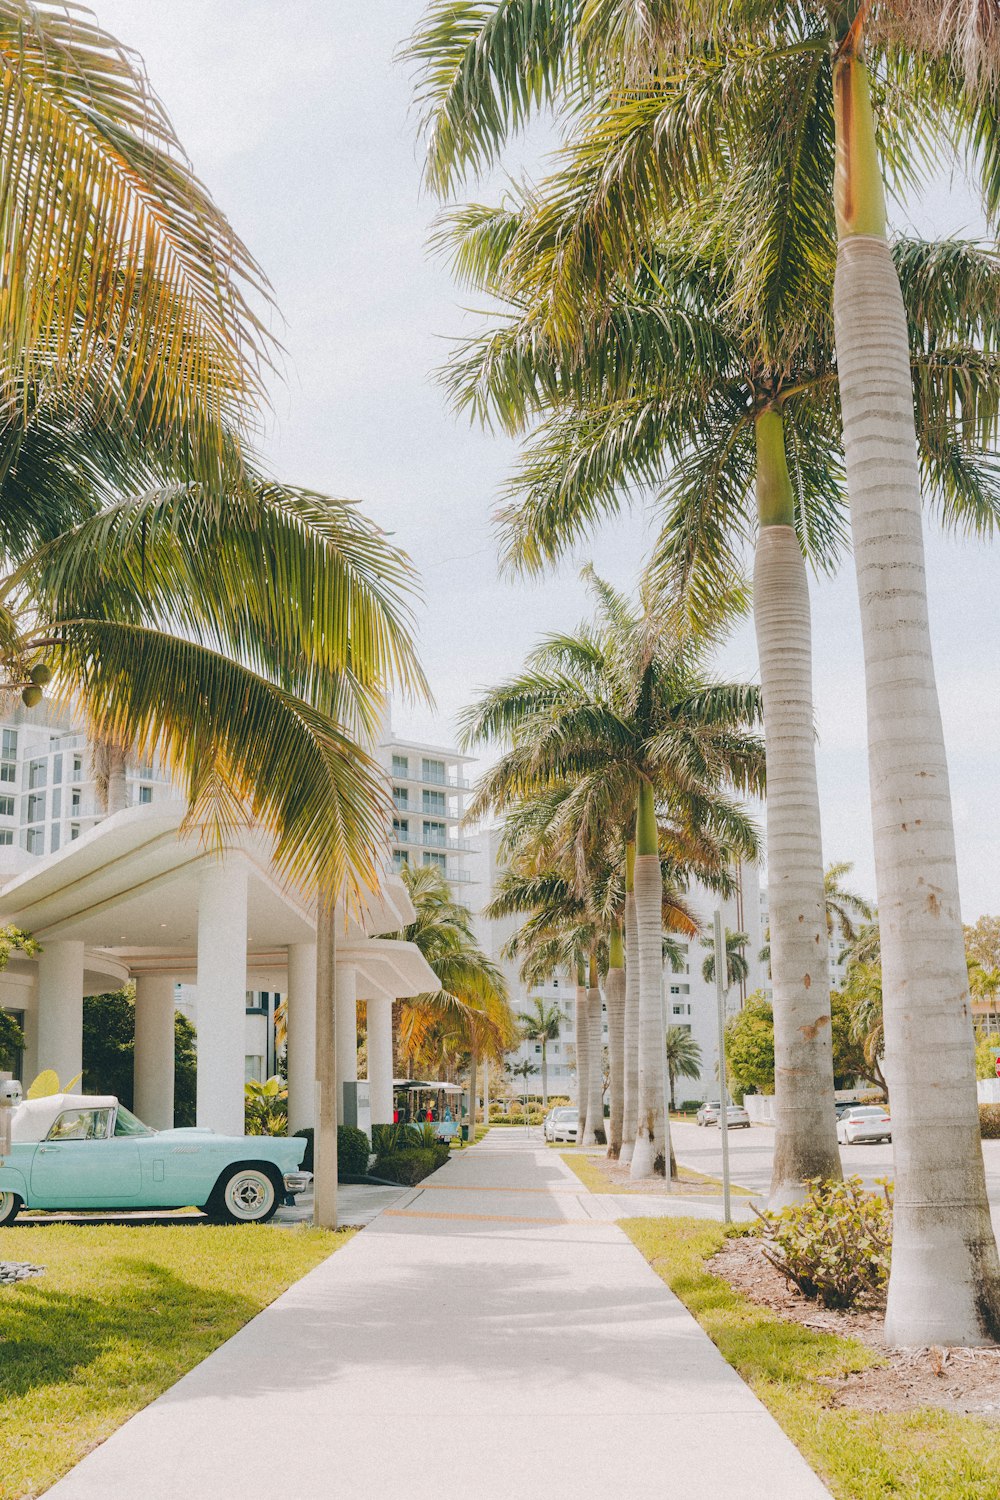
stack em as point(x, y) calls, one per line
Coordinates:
point(736, 1117)
point(87, 1151)
point(561, 1123)
point(864, 1122)
point(708, 1114)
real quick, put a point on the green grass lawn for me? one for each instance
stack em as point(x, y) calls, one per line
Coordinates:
point(919, 1455)
point(591, 1175)
point(120, 1314)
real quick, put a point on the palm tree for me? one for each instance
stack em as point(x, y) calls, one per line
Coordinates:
point(482, 75)
point(661, 380)
point(471, 1010)
point(627, 715)
point(845, 909)
point(683, 1056)
point(737, 967)
point(542, 1025)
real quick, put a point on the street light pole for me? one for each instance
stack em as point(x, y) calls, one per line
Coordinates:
point(720, 995)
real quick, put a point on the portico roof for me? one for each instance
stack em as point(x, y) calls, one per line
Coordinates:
point(130, 884)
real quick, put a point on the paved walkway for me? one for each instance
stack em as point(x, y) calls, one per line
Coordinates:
point(491, 1331)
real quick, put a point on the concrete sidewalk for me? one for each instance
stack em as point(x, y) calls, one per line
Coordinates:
point(488, 1330)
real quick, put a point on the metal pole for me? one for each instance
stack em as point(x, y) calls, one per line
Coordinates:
point(720, 995)
point(666, 1081)
point(486, 1093)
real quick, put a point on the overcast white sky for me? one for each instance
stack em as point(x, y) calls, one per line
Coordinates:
point(300, 123)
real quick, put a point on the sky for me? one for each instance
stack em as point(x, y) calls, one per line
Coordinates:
point(301, 123)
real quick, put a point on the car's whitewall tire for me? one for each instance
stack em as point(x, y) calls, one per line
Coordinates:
point(244, 1195)
point(10, 1203)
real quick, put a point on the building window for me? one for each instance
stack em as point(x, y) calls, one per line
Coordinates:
point(37, 773)
point(74, 801)
point(439, 861)
point(6, 837)
point(74, 831)
point(253, 1069)
point(400, 798)
point(399, 859)
point(6, 807)
point(78, 765)
point(36, 807)
point(55, 839)
point(400, 765)
point(8, 770)
point(433, 770)
point(56, 803)
point(35, 841)
point(401, 829)
point(436, 834)
point(8, 744)
point(145, 795)
point(434, 802)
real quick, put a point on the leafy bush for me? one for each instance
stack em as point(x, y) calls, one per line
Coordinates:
point(989, 1121)
point(353, 1152)
point(407, 1167)
point(387, 1139)
point(265, 1107)
point(834, 1247)
point(307, 1135)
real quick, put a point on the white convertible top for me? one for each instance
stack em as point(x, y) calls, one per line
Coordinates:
point(32, 1119)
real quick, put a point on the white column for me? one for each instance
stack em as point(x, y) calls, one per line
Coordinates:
point(300, 1022)
point(60, 1010)
point(380, 1060)
point(153, 1092)
point(347, 1030)
point(222, 985)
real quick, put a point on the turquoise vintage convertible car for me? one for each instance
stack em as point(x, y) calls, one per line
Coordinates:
point(88, 1151)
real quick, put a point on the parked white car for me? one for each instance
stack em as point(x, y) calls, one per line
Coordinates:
point(708, 1114)
point(561, 1124)
point(863, 1122)
point(736, 1117)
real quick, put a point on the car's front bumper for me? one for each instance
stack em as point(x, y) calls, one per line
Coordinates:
point(297, 1182)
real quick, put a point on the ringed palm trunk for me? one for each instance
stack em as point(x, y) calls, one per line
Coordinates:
point(944, 1287)
point(615, 987)
point(582, 1053)
point(595, 1135)
point(651, 1152)
point(630, 1102)
point(805, 1143)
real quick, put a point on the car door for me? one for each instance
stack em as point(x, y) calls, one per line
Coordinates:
point(79, 1166)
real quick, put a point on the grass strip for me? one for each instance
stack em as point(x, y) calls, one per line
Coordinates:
point(593, 1177)
point(122, 1312)
point(926, 1454)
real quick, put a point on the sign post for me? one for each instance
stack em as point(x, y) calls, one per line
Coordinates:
point(720, 995)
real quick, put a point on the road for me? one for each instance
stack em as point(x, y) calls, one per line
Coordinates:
point(750, 1151)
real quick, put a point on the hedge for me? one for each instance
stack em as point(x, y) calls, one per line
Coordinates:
point(353, 1151)
point(989, 1121)
point(410, 1166)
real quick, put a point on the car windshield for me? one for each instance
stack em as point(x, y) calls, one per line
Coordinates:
point(127, 1124)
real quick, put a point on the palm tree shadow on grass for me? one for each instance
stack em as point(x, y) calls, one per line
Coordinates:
point(144, 1318)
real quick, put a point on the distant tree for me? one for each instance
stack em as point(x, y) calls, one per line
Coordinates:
point(982, 942)
point(683, 1057)
point(737, 967)
point(11, 1041)
point(750, 1045)
point(541, 1024)
point(109, 1052)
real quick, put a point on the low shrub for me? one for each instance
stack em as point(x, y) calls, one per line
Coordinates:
point(407, 1167)
point(989, 1121)
point(353, 1151)
point(388, 1138)
point(307, 1136)
point(834, 1247)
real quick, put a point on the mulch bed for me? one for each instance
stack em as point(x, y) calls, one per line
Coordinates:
point(956, 1380)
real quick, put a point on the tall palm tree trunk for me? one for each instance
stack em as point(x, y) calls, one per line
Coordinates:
point(651, 1153)
point(630, 1102)
point(615, 988)
point(473, 1090)
point(805, 1143)
point(582, 1053)
point(595, 1134)
point(945, 1282)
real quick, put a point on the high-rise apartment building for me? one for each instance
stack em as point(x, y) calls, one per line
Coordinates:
point(430, 787)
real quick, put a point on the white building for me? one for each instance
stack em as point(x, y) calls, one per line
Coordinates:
point(430, 789)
